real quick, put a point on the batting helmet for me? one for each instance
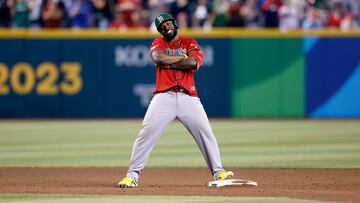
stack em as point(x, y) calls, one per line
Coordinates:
point(163, 17)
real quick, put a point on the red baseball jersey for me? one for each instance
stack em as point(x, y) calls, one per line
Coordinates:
point(168, 78)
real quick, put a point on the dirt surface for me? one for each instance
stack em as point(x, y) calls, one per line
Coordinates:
point(312, 184)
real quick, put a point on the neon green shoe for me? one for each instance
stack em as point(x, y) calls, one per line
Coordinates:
point(127, 182)
point(223, 175)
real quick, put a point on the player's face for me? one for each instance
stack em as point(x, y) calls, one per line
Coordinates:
point(168, 30)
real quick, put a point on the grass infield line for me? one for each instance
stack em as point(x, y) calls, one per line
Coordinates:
point(108, 143)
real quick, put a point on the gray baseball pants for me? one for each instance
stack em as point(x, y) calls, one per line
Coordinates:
point(163, 109)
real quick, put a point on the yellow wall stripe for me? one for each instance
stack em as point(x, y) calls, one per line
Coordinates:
point(139, 33)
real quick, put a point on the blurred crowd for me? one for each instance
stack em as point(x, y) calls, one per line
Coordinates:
point(125, 14)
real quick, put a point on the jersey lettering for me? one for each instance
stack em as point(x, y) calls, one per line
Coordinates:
point(175, 52)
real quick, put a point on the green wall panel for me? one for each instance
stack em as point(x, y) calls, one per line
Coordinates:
point(267, 77)
point(293, 89)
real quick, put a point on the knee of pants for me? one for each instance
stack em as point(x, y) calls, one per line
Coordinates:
point(148, 129)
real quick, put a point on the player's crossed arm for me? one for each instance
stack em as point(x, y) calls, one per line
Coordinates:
point(163, 59)
point(177, 62)
point(185, 64)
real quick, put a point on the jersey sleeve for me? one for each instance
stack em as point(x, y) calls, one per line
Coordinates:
point(194, 51)
point(157, 44)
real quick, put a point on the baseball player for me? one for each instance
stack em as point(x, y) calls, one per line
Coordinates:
point(177, 58)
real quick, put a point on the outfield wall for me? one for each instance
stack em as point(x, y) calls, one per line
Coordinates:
point(245, 73)
point(268, 77)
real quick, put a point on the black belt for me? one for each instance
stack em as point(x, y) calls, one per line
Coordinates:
point(178, 89)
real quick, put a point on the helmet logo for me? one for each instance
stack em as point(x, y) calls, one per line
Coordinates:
point(160, 19)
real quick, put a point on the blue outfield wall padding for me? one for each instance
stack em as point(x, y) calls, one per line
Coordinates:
point(330, 81)
point(309, 43)
point(345, 102)
point(116, 77)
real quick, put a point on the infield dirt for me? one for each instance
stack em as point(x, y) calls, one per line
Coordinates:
point(312, 184)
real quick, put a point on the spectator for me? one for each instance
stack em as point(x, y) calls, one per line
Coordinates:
point(52, 14)
point(35, 13)
point(348, 22)
point(250, 14)
point(81, 14)
point(203, 15)
point(118, 22)
point(140, 19)
point(313, 19)
point(221, 8)
point(336, 15)
point(180, 10)
point(291, 14)
point(5, 12)
point(183, 19)
point(20, 17)
point(355, 7)
point(66, 21)
point(129, 12)
point(234, 18)
point(102, 13)
point(270, 9)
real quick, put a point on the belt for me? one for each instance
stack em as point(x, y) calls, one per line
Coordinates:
point(177, 89)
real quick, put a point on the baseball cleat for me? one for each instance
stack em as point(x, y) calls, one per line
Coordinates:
point(223, 175)
point(127, 182)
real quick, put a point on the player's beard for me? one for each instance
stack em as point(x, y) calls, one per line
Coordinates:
point(170, 34)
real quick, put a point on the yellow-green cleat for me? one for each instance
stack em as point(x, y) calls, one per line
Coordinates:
point(223, 175)
point(127, 182)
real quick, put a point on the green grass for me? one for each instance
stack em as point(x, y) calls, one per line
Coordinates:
point(243, 143)
point(138, 199)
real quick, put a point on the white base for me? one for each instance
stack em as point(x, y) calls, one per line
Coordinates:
point(222, 183)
